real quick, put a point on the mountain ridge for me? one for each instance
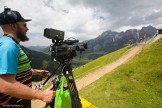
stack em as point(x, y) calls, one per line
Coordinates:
point(110, 41)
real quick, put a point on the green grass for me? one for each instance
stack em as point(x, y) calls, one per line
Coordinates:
point(136, 84)
point(96, 64)
point(101, 61)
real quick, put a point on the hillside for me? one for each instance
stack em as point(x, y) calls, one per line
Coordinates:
point(38, 48)
point(135, 84)
point(100, 62)
point(82, 71)
point(98, 73)
point(80, 85)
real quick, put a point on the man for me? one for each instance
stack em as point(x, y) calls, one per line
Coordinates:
point(15, 68)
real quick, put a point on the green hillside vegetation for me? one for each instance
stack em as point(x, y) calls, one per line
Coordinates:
point(135, 84)
point(109, 58)
point(98, 63)
point(82, 59)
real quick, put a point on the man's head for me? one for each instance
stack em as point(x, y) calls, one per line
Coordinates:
point(13, 23)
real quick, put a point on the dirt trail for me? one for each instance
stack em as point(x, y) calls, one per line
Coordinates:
point(90, 78)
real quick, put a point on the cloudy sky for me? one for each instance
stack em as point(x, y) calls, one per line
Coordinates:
point(84, 19)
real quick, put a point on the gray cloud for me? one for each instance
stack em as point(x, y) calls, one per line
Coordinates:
point(125, 12)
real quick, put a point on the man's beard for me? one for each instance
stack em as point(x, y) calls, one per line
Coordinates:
point(21, 35)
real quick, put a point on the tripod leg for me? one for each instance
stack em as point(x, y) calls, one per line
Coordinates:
point(73, 91)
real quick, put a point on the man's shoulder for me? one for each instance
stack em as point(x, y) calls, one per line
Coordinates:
point(8, 42)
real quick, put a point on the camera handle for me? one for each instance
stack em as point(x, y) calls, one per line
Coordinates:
point(51, 74)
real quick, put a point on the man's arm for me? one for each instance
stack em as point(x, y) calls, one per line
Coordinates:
point(42, 73)
point(13, 88)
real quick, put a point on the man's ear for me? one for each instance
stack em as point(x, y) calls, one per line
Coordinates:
point(14, 26)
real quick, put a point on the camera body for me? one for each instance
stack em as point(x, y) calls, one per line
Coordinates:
point(61, 49)
point(53, 34)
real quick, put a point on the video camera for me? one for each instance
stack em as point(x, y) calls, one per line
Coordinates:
point(63, 49)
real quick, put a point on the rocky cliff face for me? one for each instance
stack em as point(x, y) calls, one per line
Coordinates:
point(110, 41)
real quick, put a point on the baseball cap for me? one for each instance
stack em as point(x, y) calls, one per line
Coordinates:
point(9, 16)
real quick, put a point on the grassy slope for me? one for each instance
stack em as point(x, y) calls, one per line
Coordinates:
point(136, 84)
point(82, 59)
point(98, 63)
point(109, 58)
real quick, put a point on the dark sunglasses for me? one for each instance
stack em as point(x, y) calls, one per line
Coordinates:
point(24, 24)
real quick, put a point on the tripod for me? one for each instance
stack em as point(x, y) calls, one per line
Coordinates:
point(66, 70)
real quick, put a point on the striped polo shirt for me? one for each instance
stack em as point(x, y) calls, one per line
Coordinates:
point(14, 61)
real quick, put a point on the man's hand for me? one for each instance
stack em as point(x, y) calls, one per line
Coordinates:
point(42, 73)
point(10, 86)
point(48, 95)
